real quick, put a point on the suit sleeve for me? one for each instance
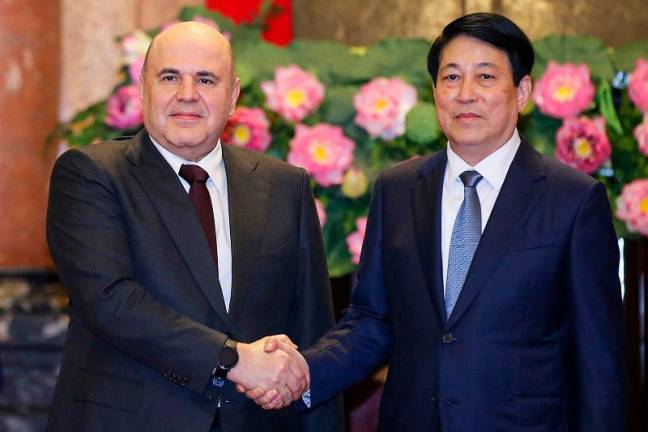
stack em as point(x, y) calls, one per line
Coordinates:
point(362, 338)
point(597, 317)
point(88, 240)
point(314, 307)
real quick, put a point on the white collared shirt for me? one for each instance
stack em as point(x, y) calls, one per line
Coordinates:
point(493, 169)
point(217, 188)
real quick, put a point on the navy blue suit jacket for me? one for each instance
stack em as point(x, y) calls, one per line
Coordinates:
point(535, 342)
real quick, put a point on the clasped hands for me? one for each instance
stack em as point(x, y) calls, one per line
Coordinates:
point(271, 372)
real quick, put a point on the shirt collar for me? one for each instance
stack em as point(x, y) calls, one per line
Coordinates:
point(493, 168)
point(212, 163)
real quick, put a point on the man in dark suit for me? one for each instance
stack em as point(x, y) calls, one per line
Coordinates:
point(489, 273)
point(180, 255)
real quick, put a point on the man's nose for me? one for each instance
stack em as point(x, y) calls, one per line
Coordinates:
point(467, 91)
point(187, 90)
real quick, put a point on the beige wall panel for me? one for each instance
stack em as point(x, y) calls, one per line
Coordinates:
point(90, 57)
point(360, 22)
point(154, 12)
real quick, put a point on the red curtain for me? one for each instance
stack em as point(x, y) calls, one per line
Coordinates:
point(279, 26)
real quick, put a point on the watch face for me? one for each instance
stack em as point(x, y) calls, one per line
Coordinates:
point(228, 357)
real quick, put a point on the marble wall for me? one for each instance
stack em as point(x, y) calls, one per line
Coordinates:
point(29, 90)
point(33, 325)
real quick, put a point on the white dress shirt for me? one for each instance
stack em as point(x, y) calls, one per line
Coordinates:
point(217, 188)
point(493, 170)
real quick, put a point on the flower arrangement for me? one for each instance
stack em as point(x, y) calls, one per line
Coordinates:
point(345, 113)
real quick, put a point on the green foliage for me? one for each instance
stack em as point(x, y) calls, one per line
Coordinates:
point(573, 49)
point(625, 57)
point(421, 124)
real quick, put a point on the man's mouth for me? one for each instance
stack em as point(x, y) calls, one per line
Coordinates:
point(467, 115)
point(186, 115)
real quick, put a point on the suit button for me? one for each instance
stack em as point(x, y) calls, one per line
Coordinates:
point(448, 338)
point(433, 401)
point(452, 402)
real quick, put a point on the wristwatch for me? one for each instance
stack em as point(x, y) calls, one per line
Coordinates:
point(226, 360)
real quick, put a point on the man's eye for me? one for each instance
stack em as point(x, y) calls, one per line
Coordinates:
point(452, 77)
point(168, 77)
point(205, 81)
point(486, 76)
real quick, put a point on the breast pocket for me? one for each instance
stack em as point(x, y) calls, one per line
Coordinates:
point(543, 240)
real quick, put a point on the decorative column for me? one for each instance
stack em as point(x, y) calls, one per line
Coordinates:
point(29, 93)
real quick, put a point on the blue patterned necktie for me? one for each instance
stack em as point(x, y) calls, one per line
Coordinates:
point(465, 238)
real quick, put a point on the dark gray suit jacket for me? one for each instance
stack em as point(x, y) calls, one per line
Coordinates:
point(147, 319)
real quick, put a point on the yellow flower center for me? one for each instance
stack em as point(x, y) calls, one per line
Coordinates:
point(564, 93)
point(320, 153)
point(583, 148)
point(643, 205)
point(358, 51)
point(295, 97)
point(381, 104)
point(241, 134)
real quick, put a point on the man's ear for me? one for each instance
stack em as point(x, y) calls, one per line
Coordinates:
point(236, 91)
point(524, 92)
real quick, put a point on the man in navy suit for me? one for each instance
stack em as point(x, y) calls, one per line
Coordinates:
point(523, 331)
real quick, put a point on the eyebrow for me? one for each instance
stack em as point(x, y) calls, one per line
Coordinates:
point(482, 64)
point(177, 72)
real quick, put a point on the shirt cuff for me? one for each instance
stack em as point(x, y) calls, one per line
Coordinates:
point(306, 397)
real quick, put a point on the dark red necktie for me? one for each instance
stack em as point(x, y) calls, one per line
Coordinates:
point(199, 196)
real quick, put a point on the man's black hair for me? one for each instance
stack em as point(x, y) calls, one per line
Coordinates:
point(494, 29)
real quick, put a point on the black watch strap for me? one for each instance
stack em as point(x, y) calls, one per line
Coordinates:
point(226, 361)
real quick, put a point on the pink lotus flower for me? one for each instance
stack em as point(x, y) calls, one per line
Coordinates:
point(168, 24)
point(134, 46)
point(355, 239)
point(564, 90)
point(135, 70)
point(323, 151)
point(294, 93)
point(124, 108)
point(321, 213)
point(641, 135)
point(638, 87)
point(632, 206)
point(583, 144)
point(204, 20)
point(248, 128)
point(381, 106)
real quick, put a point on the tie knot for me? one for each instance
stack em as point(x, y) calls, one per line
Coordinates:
point(193, 173)
point(470, 178)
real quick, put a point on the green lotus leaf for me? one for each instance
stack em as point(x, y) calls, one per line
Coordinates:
point(421, 123)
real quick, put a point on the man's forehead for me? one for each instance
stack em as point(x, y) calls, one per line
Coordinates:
point(464, 50)
point(189, 57)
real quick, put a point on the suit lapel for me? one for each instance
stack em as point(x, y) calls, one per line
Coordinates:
point(249, 200)
point(521, 191)
point(169, 198)
point(426, 206)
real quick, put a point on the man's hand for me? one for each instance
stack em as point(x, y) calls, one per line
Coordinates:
point(271, 372)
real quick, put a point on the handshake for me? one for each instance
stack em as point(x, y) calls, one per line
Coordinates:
point(271, 372)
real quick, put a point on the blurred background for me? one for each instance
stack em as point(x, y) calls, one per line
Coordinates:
point(59, 57)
